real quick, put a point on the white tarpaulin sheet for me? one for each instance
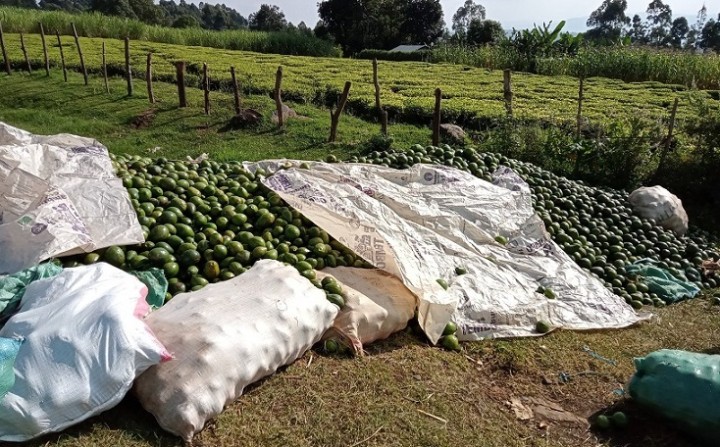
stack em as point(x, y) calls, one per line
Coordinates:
point(59, 195)
point(422, 223)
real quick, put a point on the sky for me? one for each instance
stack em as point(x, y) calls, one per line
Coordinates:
point(511, 13)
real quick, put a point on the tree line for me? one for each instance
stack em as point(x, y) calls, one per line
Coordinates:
point(356, 25)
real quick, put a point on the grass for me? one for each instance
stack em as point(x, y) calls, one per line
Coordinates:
point(97, 25)
point(177, 132)
point(473, 97)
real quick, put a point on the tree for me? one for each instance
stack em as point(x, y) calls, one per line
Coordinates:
point(303, 29)
point(380, 24)
point(693, 39)
point(422, 21)
point(186, 21)
point(678, 32)
point(638, 30)
point(74, 6)
point(710, 35)
point(659, 17)
point(345, 21)
point(465, 15)
point(481, 32)
point(268, 18)
point(19, 3)
point(146, 11)
point(607, 22)
point(119, 8)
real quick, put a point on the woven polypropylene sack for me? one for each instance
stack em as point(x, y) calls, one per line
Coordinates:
point(377, 305)
point(226, 336)
point(9, 348)
point(84, 345)
point(661, 206)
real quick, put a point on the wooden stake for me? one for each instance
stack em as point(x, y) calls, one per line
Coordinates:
point(104, 69)
point(4, 52)
point(436, 118)
point(278, 96)
point(128, 69)
point(24, 51)
point(45, 52)
point(507, 87)
point(206, 89)
point(579, 111)
point(668, 140)
point(236, 91)
point(82, 59)
point(335, 116)
point(148, 79)
point(180, 74)
point(382, 114)
point(62, 55)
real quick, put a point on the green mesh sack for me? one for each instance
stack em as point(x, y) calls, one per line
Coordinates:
point(682, 386)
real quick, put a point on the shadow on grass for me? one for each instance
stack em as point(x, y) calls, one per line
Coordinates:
point(128, 417)
point(643, 428)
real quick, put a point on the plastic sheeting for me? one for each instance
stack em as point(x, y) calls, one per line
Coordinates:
point(59, 195)
point(420, 224)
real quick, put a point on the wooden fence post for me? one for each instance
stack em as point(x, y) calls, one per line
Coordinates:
point(581, 96)
point(24, 51)
point(128, 69)
point(668, 140)
point(82, 59)
point(382, 114)
point(180, 74)
point(206, 89)
point(278, 96)
point(335, 116)
point(236, 91)
point(507, 87)
point(148, 79)
point(104, 69)
point(45, 52)
point(436, 118)
point(4, 51)
point(62, 55)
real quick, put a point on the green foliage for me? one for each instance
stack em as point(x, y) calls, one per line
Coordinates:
point(268, 18)
point(464, 16)
point(481, 32)
point(607, 22)
point(97, 25)
point(359, 24)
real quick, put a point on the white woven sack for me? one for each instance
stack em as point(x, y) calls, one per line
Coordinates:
point(84, 345)
point(377, 305)
point(226, 336)
point(661, 206)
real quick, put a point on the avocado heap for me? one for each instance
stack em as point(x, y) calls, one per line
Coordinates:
point(594, 226)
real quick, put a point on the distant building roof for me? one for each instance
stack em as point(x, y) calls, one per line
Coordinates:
point(409, 48)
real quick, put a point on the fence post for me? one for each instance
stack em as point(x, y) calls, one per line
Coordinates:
point(436, 118)
point(507, 87)
point(335, 116)
point(148, 79)
point(206, 89)
point(24, 51)
point(45, 52)
point(581, 96)
point(668, 140)
point(82, 59)
point(104, 69)
point(180, 74)
point(62, 55)
point(278, 96)
point(382, 113)
point(4, 52)
point(128, 69)
point(236, 91)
